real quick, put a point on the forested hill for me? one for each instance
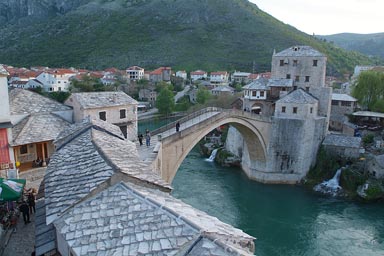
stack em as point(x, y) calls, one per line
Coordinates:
point(368, 44)
point(188, 34)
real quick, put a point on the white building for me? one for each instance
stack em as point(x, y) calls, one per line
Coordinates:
point(56, 80)
point(220, 77)
point(182, 74)
point(135, 73)
point(240, 77)
point(198, 74)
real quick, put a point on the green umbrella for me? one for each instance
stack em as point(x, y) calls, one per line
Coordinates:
point(11, 189)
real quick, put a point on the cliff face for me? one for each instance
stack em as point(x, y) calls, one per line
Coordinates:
point(19, 11)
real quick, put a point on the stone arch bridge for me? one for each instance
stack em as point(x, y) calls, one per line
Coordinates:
point(173, 147)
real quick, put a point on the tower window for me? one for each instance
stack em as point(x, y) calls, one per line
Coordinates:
point(283, 109)
point(294, 63)
point(297, 78)
point(103, 115)
point(281, 62)
point(315, 63)
point(306, 78)
point(288, 76)
point(294, 110)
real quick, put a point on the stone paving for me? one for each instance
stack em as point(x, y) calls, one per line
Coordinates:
point(21, 242)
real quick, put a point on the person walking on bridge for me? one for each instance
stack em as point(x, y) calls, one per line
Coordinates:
point(147, 138)
point(177, 127)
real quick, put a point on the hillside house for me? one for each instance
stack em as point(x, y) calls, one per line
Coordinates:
point(223, 90)
point(182, 74)
point(55, 80)
point(135, 73)
point(113, 107)
point(219, 78)
point(198, 75)
point(240, 77)
point(148, 95)
point(160, 74)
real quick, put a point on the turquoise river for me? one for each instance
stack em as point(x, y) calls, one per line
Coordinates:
point(285, 219)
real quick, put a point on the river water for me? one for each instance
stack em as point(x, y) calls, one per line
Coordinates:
point(285, 219)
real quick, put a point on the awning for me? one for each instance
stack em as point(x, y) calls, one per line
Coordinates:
point(11, 189)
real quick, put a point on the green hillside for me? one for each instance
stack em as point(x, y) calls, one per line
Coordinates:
point(368, 44)
point(188, 34)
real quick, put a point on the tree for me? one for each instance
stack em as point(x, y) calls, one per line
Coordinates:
point(369, 89)
point(87, 84)
point(202, 95)
point(165, 101)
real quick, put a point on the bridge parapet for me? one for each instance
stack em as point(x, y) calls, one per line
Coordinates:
point(211, 110)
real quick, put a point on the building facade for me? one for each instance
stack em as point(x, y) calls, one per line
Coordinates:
point(113, 107)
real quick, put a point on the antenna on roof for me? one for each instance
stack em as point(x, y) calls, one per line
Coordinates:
point(253, 67)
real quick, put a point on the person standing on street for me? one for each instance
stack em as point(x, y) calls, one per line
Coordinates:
point(31, 203)
point(25, 210)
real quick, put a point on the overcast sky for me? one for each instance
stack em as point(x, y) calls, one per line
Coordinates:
point(325, 17)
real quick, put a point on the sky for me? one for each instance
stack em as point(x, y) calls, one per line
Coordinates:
point(326, 17)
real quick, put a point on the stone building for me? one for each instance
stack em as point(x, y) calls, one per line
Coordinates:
point(100, 199)
point(37, 121)
point(342, 106)
point(298, 102)
point(7, 160)
point(114, 107)
point(343, 146)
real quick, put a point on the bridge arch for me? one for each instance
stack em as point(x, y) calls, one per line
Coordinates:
point(176, 147)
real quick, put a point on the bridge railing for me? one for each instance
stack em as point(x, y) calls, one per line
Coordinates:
point(200, 114)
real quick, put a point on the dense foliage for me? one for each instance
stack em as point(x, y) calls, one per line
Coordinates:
point(369, 90)
point(204, 34)
point(165, 101)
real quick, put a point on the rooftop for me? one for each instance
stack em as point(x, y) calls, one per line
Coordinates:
point(342, 97)
point(89, 100)
point(26, 102)
point(298, 96)
point(342, 141)
point(299, 51)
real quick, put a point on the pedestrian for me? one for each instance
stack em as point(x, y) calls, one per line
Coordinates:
point(177, 127)
point(148, 139)
point(31, 202)
point(141, 139)
point(25, 210)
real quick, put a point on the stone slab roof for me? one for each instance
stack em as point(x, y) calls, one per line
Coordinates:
point(298, 96)
point(45, 235)
point(280, 82)
point(258, 84)
point(89, 154)
point(380, 160)
point(368, 114)
point(299, 51)
point(121, 220)
point(38, 128)
point(26, 102)
point(74, 171)
point(102, 99)
point(223, 88)
point(342, 97)
point(342, 141)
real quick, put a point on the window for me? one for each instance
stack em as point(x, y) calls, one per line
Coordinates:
point(307, 89)
point(311, 110)
point(254, 93)
point(103, 115)
point(294, 110)
point(288, 76)
point(294, 63)
point(281, 63)
point(283, 109)
point(346, 103)
point(335, 103)
point(306, 78)
point(23, 150)
point(297, 78)
point(315, 63)
point(262, 94)
point(123, 113)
